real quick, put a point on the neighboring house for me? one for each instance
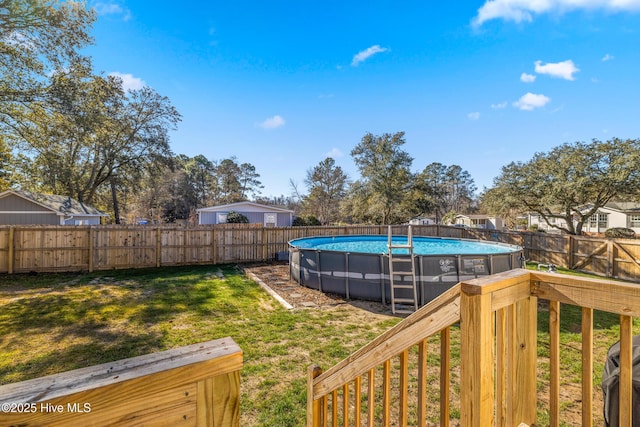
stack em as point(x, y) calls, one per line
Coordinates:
point(269, 216)
point(613, 214)
point(422, 221)
point(484, 222)
point(536, 222)
point(25, 208)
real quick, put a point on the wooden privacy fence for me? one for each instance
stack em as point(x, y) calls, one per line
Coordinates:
point(196, 385)
point(88, 248)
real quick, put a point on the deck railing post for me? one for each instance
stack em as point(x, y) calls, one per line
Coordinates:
point(314, 413)
point(477, 394)
point(507, 343)
point(523, 390)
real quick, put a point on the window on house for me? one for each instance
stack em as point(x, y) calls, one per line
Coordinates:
point(603, 220)
point(270, 219)
point(634, 221)
point(599, 220)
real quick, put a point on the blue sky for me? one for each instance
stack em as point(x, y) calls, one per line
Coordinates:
point(284, 84)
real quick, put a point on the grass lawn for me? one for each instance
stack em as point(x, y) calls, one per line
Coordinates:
point(51, 323)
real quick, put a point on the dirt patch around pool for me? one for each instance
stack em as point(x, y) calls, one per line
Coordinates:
point(278, 279)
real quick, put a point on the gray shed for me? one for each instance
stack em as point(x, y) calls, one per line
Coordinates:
point(269, 216)
point(19, 207)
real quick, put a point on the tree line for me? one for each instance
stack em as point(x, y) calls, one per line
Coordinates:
point(387, 190)
point(66, 129)
point(566, 186)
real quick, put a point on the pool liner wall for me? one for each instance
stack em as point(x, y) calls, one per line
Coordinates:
point(366, 276)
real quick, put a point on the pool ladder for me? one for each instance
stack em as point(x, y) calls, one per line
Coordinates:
point(404, 304)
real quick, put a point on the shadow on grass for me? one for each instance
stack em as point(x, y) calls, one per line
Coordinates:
point(96, 318)
point(103, 347)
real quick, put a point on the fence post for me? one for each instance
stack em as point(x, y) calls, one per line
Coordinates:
point(10, 255)
point(90, 239)
point(214, 245)
point(264, 243)
point(158, 247)
point(611, 259)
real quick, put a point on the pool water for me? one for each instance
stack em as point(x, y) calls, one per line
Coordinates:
point(421, 245)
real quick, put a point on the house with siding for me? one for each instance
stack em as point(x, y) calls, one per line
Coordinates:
point(268, 216)
point(484, 222)
point(19, 207)
point(422, 221)
point(612, 215)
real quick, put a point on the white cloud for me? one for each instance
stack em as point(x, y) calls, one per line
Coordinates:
point(523, 10)
point(563, 70)
point(473, 116)
point(112, 9)
point(366, 54)
point(529, 101)
point(129, 82)
point(607, 57)
point(527, 78)
point(334, 153)
point(272, 122)
point(500, 105)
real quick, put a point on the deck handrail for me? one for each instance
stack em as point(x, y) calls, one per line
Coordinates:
point(197, 385)
point(498, 317)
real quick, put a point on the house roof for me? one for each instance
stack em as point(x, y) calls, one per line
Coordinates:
point(244, 207)
point(628, 207)
point(475, 216)
point(61, 205)
point(623, 207)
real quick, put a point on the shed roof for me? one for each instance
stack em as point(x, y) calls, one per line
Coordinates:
point(61, 205)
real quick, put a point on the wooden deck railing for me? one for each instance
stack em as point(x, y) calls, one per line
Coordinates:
point(373, 363)
point(498, 363)
point(196, 385)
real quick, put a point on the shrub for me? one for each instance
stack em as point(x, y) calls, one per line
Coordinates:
point(620, 233)
point(236, 218)
point(305, 221)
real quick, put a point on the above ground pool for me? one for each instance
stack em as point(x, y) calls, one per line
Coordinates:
point(358, 266)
